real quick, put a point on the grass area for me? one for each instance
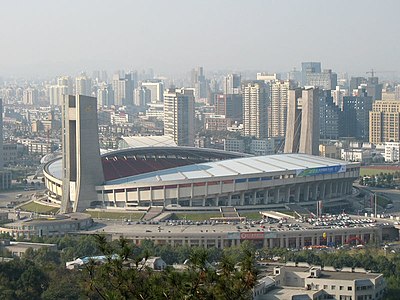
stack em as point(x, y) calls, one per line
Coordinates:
point(254, 215)
point(115, 215)
point(39, 208)
point(194, 216)
point(365, 171)
point(383, 201)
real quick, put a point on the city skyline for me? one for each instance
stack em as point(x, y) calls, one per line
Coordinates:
point(350, 37)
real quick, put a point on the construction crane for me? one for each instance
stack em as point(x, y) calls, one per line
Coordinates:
point(373, 72)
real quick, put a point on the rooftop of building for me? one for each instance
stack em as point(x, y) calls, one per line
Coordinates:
point(300, 164)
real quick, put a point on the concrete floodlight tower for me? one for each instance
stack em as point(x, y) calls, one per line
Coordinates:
point(82, 168)
point(302, 127)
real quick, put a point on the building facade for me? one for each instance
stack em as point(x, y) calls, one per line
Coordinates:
point(179, 116)
point(255, 102)
point(384, 122)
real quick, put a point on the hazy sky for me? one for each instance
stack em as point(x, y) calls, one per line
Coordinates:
point(50, 37)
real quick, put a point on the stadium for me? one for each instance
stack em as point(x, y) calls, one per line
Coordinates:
point(194, 178)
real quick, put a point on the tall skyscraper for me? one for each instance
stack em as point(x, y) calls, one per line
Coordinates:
point(199, 83)
point(384, 122)
point(355, 117)
point(302, 129)
point(329, 115)
point(278, 107)
point(255, 102)
point(142, 96)
point(179, 116)
point(232, 83)
point(309, 67)
point(123, 89)
point(82, 168)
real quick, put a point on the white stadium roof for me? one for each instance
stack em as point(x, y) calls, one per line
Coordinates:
point(149, 141)
point(302, 164)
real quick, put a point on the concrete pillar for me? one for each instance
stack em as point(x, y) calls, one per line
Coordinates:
point(303, 243)
point(191, 202)
point(323, 189)
point(230, 199)
point(255, 197)
point(242, 198)
point(287, 200)
point(204, 201)
point(276, 195)
point(297, 242)
point(271, 243)
point(329, 193)
point(266, 196)
point(297, 193)
point(343, 239)
point(281, 243)
point(315, 191)
point(306, 192)
point(265, 243)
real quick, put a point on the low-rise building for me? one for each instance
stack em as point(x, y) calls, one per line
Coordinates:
point(392, 152)
point(302, 281)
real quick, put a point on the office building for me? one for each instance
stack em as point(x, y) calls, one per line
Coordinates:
point(302, 129)
point(307, 68)
point(255, 102)
point(229, 105)
point(179, 116)
point(326, 80)
point(355, 117)
point(384, 122)
point(329, 116)
point(156, 89)
point(337, 95)
point(81, 163)
point(397, 92)
point(232, 84)
point(279, 93)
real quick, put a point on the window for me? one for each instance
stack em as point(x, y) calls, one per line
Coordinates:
point(333, 287)
point(349, 288)
point(341, 287)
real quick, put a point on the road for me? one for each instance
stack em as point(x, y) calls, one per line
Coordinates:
point(391, 194)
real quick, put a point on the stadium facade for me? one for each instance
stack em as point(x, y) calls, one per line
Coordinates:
point(192, 177)
point(182, 177)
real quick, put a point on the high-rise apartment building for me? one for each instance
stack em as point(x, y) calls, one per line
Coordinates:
point(142, 96)
point(56, 92)
point(83, 85)
point(255, 102)
point(279, 93)
point(397, 92)
point(123, 89)
point(179, 116)
point(302, 129)
point(232, 83)
point(105, 95)
point(30, 96)
point(384, 122)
